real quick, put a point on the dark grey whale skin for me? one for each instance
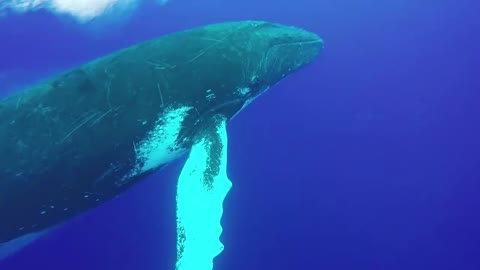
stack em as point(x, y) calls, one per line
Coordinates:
point(66, 143)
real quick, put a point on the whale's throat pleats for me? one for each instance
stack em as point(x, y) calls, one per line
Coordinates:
point(202, 187)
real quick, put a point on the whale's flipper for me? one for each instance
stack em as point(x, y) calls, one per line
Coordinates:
point(202, 187)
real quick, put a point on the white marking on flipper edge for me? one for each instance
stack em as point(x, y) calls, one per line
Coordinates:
point(200, 204)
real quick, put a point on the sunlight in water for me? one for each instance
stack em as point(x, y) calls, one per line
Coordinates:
point(82, 10)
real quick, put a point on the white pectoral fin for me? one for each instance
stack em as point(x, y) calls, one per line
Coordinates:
point(202, 187)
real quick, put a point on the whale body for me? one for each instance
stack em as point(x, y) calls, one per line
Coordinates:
point(79, 139)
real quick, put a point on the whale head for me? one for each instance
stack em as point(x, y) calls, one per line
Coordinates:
point(278, 51)
point(245, 58)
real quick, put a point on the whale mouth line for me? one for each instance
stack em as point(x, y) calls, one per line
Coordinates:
point(300, 43)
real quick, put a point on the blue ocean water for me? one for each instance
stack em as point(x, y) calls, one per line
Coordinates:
point(366, 159)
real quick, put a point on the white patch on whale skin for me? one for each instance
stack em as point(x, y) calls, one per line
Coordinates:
point(210, 95)
point(243, 91)
point(159, 146)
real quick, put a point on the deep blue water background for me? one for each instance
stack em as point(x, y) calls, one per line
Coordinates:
point(366, 159)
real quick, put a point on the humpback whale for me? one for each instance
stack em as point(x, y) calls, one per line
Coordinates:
point(79, 139)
